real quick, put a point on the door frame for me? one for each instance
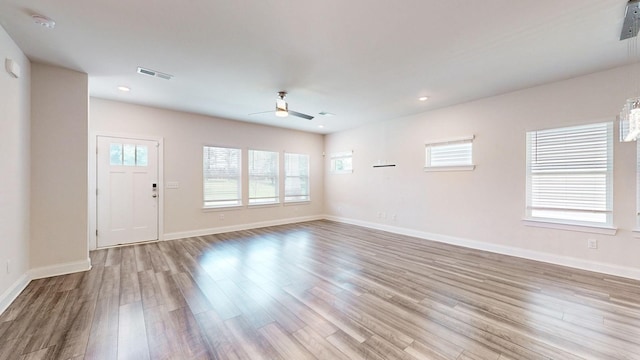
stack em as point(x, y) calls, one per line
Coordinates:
point(93, 180)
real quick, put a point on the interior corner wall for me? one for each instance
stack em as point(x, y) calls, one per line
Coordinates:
point(14, 171)
point(484, 208)
point(184, 135)
point(59, 138)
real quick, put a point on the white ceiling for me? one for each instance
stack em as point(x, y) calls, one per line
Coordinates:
point(364, 60)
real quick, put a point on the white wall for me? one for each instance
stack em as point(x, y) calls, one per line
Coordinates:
point(184, 135)
point(59, 132)
point(484, 208)
point(14, 171)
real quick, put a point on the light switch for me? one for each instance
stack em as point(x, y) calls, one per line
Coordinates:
point(173, 185)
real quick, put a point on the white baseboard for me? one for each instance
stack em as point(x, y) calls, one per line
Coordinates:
point(13, 291)
point(611, 269)
point(60, 269)
point(240, 227)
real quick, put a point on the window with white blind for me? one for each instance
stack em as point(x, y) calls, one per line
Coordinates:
point(342, 162)
point(638, 184)
point(296, 172)
point(569, 174)
point(449, 155)
point(222, 177)
point(263, 177)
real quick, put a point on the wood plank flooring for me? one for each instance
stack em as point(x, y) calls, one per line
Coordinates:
point(321, 290)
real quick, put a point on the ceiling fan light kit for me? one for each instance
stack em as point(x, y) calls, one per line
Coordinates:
point(282, 108)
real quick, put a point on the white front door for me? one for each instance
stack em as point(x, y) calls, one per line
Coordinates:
point(127, 191)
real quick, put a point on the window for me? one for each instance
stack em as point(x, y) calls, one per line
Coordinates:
point(638, 184)
point(296, 172)
point(342, 162)
point(456, 154)
point(263, 177)
point(569, 174)
point(128, 155)
point(222, 180)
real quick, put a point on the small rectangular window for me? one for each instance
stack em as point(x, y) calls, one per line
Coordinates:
point(142, 155)
point(569, 174)
point(449, 155)
point(129, 155)
point(221, 177)
point(342, 162)
point(115, 154)
point(296, 172)
point(263, 177)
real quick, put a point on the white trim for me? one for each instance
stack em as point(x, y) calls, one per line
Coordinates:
point(13, 291)
point(222, 208)
point(623, 271)
point(240, 227)
point(450, 140)
point(92, 178)
point(60, 269)
point(449, 168)
point(297, 202)
point(594, 229)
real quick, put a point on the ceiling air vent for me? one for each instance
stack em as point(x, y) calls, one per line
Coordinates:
point(154, 73)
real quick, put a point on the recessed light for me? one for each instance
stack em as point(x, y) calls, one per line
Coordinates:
point(324, 113)
point(43, 21)
point(320, 126)
point(124, 88)
point(423, 98)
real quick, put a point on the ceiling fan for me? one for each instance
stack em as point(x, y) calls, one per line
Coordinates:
point(282, 108)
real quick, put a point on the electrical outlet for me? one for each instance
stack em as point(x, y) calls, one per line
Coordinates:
point(379, 215)
point(221, 216)
point(394, 217)
point(592, 243)
point(384, 215)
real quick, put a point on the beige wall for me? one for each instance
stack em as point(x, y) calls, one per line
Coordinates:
point(14, 167)
point(59, 122)
point(184, 135)
point(484, 208)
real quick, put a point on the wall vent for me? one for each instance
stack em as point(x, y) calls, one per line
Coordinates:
point(158, 74)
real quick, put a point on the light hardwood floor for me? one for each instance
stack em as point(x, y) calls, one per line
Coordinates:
point(321, 290)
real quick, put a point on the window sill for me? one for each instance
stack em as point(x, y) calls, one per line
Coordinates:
point(301, 202)
point(258, 206)
point(222, 208)
point(594, 229)
point(450, 168)
point(341, 172)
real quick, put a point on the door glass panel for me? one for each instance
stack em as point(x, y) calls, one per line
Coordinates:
point(141, 155)
point(129, 155)
point(115, 154)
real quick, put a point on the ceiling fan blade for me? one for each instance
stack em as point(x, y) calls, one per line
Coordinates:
point(300, 115)
point(261, 112)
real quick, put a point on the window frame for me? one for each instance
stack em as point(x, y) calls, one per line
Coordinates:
point(230, 203)
point(297, 198)
point(430, 145)
point(341, 155)
point(572, 224)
